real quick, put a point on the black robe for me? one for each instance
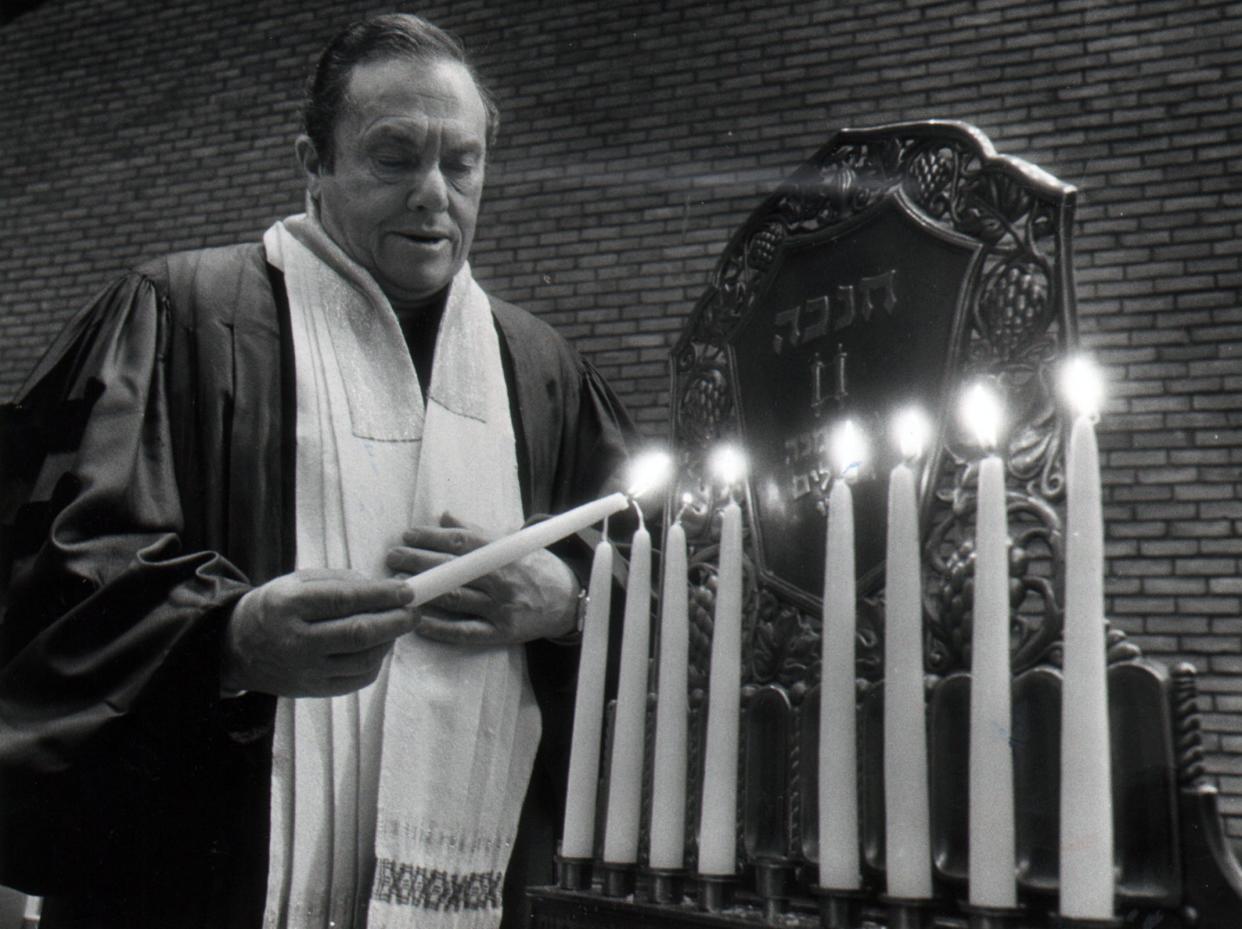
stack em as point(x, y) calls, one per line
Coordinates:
point(147, 471)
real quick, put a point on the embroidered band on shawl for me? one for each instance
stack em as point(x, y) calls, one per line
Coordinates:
point(404, 884)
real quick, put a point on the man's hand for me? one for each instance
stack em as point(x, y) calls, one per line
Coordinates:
point(314, 633)
point(535, 597)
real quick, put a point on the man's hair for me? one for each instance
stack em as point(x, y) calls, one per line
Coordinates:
point(391, 35)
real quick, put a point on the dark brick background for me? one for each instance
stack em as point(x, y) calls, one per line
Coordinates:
point(637, 135)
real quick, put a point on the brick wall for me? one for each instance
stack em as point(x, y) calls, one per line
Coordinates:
point(637, 135)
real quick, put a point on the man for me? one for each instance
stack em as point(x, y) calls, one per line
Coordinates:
point(217, 707)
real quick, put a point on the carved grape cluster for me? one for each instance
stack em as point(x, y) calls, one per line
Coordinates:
point(704, 406)
point(931, 172)
point(957, 590)
point(1013, 305)
point(762, 246)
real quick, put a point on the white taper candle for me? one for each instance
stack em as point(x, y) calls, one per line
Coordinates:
point(718, 822)
point(668, 802)
point(908, 851)
point(625, 777)
point(578, 838)
point(838, 774)
point(482, 561)
point(991, 841)
point(1087, 878)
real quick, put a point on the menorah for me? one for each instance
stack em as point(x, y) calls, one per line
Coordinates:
point(898, 265)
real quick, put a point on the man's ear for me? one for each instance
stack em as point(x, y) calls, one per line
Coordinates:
point(312, 164)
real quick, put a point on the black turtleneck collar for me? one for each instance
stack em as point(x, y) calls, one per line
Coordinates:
point(420, 325)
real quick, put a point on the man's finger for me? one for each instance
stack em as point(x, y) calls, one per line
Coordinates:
point(361, 633)
point(315, 575)
point(458, 631)
point(330, 600)
point(414, 560)
point(467, 601)
point(453, 539)
point(358, 662)
point(346, 684)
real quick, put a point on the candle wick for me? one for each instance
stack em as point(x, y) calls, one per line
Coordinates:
point(605, 529)
point(639, 510)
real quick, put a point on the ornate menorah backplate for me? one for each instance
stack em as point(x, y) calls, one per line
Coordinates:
point(892, 267)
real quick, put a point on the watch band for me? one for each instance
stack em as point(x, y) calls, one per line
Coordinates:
point(574, 636)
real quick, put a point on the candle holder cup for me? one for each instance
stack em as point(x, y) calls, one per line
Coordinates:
point(716, 892)
point(772, 884)
point(667, 885)
point(908, 912)
point(618, 879)
point(574, 873)
point(993, 917)
point(839, 909)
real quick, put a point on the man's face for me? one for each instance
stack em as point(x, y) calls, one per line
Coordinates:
point(403, 195)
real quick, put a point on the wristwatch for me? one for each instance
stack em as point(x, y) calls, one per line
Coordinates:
point(574, 636)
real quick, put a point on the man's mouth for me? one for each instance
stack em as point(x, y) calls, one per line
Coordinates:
point(423, 238)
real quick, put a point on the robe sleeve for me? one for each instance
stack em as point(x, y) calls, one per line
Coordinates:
point(109, 644)
point(601, 438)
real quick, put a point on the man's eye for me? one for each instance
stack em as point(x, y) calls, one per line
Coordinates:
point(466, 164)
point(392, 160)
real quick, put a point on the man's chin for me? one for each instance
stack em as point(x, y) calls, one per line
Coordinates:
point(407, 291)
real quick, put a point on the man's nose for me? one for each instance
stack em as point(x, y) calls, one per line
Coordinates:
point(429, 192)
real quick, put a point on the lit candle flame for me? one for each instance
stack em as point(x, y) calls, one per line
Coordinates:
point(912, 430)
point(1082, 382)
point(981, 409)
point(728, 464)
point(648, 471)
point(849, 448)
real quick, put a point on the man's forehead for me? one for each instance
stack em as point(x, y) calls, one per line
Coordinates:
point(415, 90)
point(415, 128)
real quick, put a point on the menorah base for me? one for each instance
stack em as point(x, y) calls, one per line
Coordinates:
point(772, 886)
point(618, 879)
point(574, 873)
point(715, 892)
point(667, 885)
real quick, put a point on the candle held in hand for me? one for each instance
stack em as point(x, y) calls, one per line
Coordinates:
point(647, 472)
point(471, 566)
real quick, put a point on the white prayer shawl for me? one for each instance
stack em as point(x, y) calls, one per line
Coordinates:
point(396, 806)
